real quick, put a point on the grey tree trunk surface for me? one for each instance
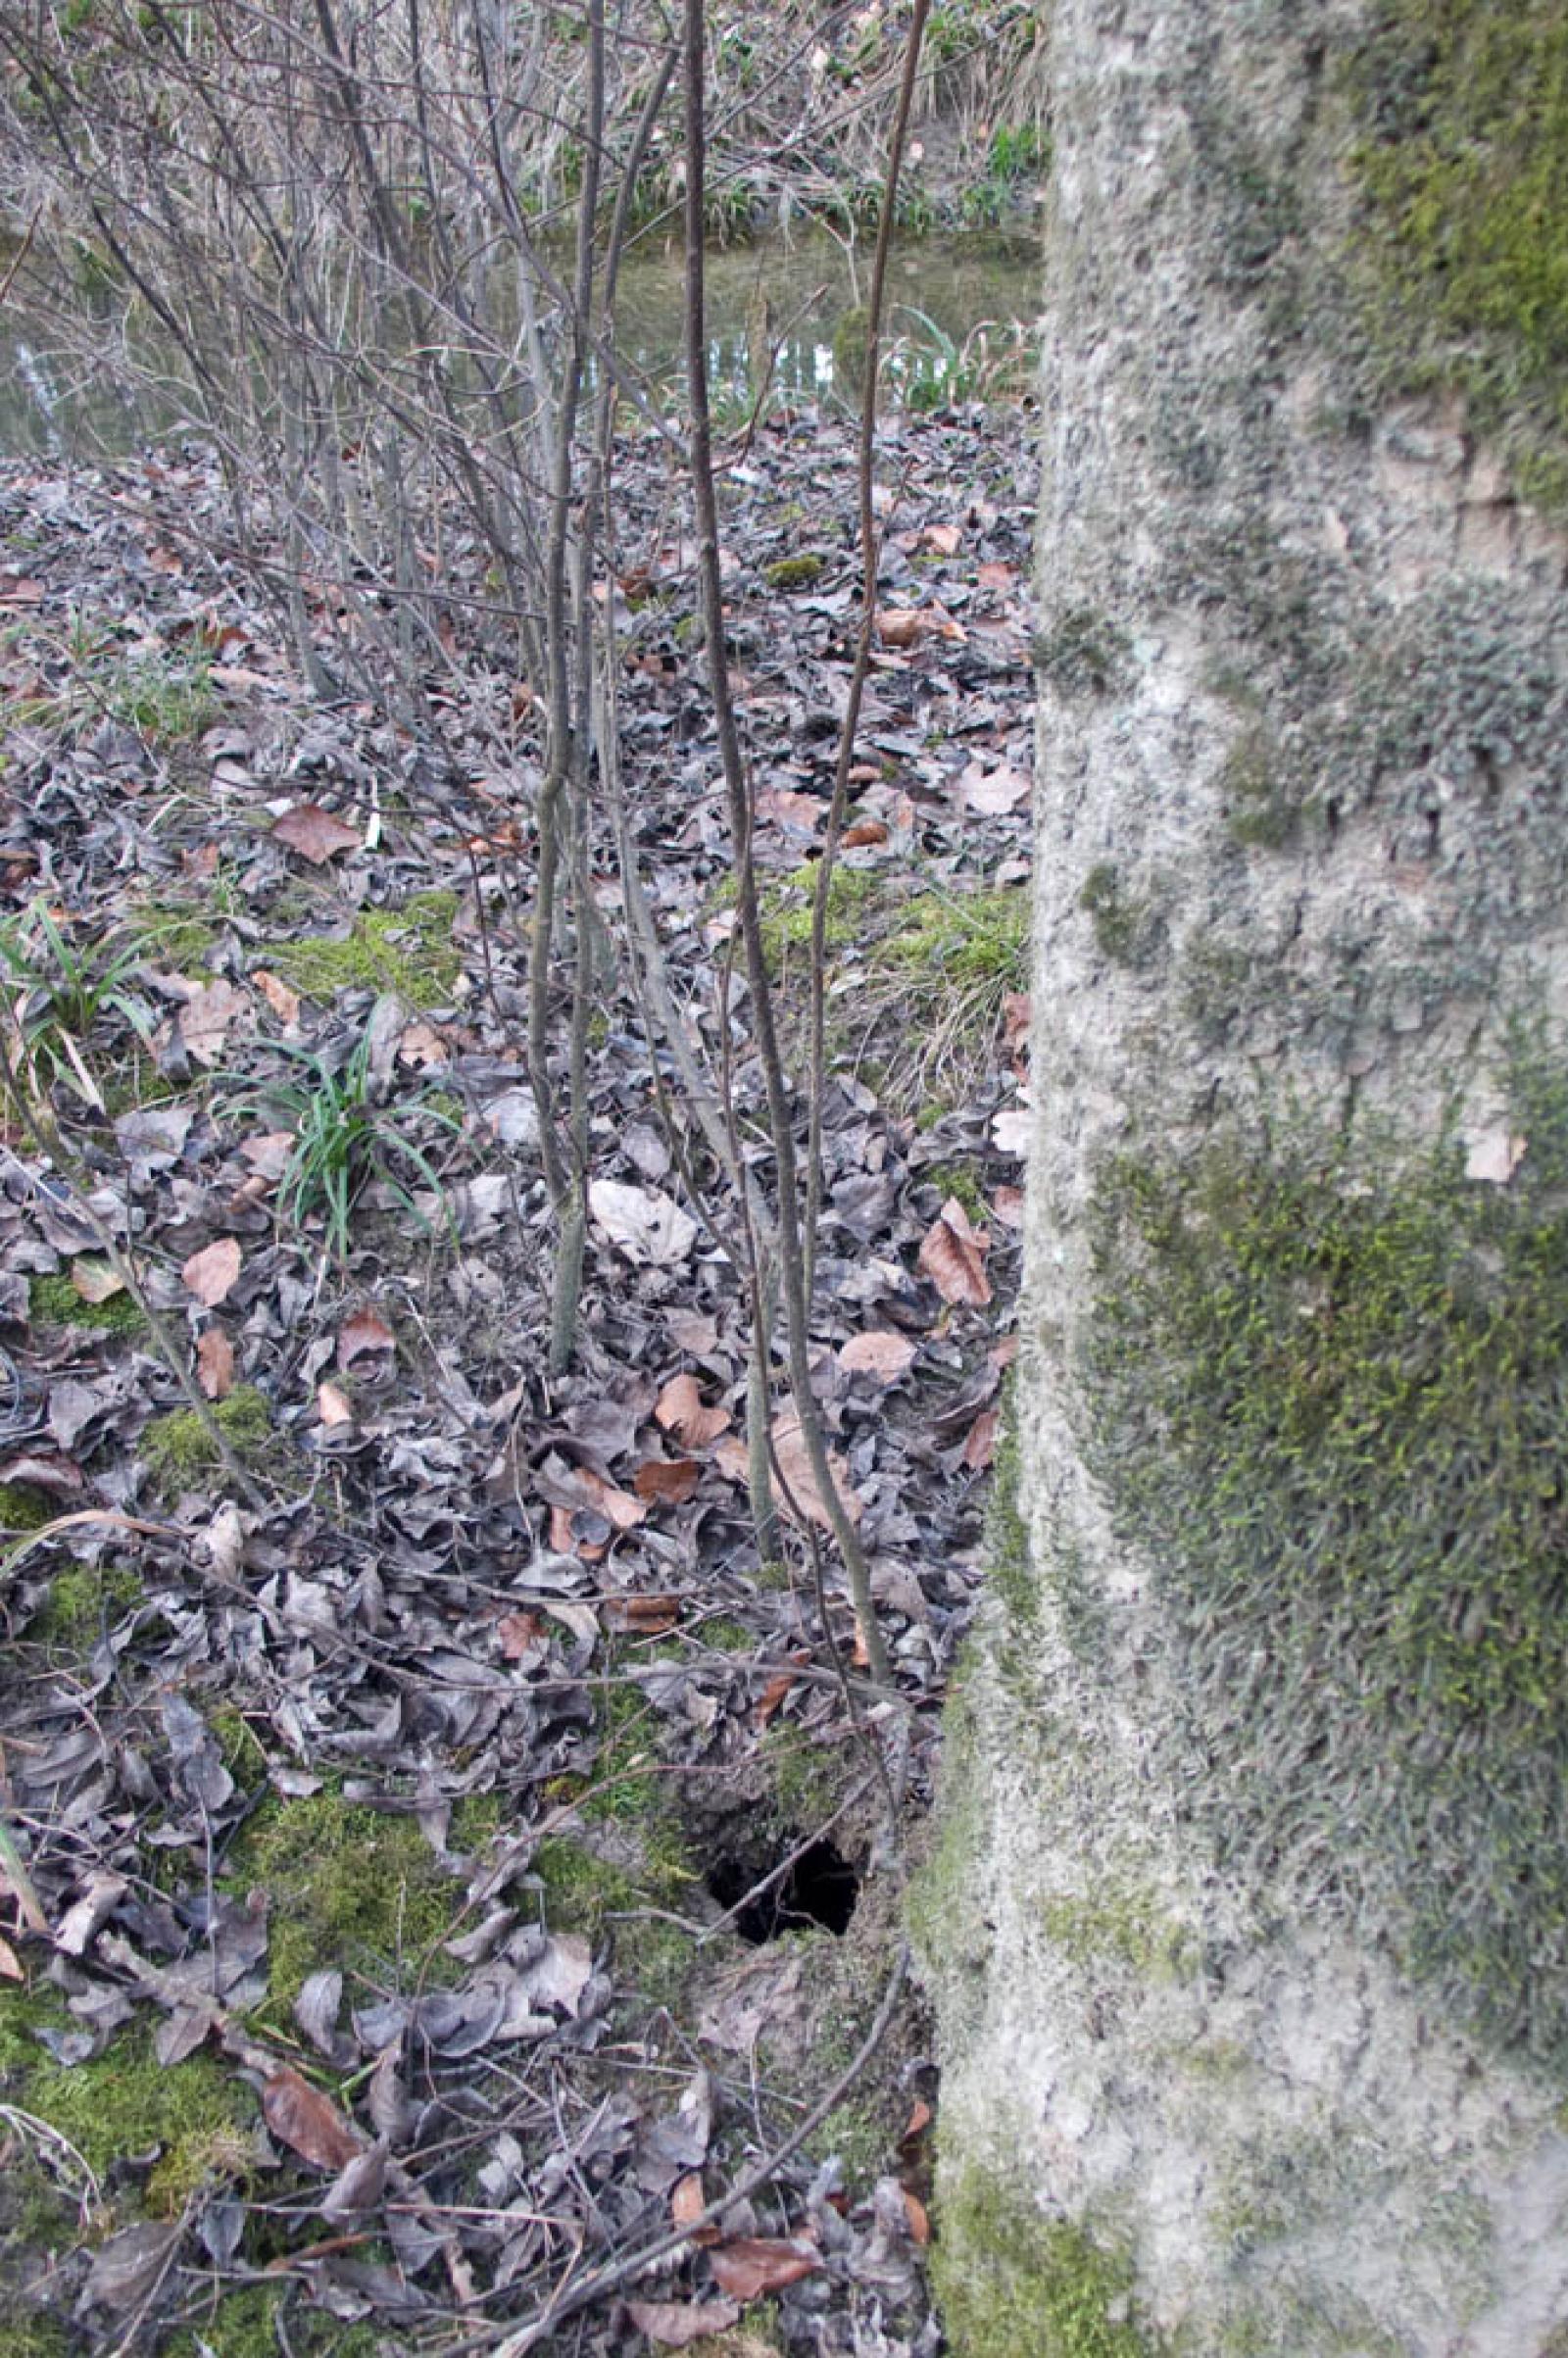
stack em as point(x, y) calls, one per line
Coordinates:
point(1248, 1913)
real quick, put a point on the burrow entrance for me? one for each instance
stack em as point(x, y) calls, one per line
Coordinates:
point(820, 1889)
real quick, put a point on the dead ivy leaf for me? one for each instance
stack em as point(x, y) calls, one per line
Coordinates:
point(211, 1273)
point(680, 1409)
point(207, 1018)
point(648, 1226)
point(748, 2265)
point(879, 1352)
point(308, 2122)
point(215, 1363)
point(953, 1256)
point(365, 1331)
point(315, 834)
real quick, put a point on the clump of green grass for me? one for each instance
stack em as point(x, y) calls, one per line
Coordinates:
point(344, 1137)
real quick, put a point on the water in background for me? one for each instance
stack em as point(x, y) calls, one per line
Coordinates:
point(953, 303)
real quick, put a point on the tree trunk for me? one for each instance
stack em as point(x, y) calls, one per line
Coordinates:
point(1248, 1916)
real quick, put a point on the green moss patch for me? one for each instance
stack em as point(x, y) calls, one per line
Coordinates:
point(1462, 162)
point(86, 1599)
point(407, 951)
point(23, 1508)
point(55, 1302)
point(181, 1449)
point(124, 2102)
point(1329, 1402)
point(353, 1887)
point(1008, 2280)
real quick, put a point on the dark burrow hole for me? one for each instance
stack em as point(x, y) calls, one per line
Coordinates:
point(822, 1888)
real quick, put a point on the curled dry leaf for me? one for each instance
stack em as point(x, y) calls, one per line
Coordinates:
point(333, 1406)
point(211, 1273)
point(953, 1256)
point(309, 2122)
point(315, 834)
point(364, 1332)
point(980, 1447)
point(215, 1363)
point(676, 2324)
point(11, 1969)
point(284, 1003)
point(680, 1409)
point(748, 2265)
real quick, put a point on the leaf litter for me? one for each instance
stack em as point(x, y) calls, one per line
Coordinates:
point(374, 1822)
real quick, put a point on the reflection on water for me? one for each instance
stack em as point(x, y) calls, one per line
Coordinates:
point(780, 298)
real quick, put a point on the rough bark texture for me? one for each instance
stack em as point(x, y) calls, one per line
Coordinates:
point(1248, 1916)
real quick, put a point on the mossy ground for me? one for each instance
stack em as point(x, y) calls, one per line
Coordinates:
point(356, 1888)
point(1009, 2281)
point(179, 1450)
point(1462, 162)
point(1329, 1400)
point(54, 1300)
point(407, 951)
point(83, 1600)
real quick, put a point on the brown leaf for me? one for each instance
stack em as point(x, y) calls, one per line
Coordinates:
point(424, 1048)
point(680, 1409)
point(995, 575)
point(863, 831)
point(284, 1003)
point(214, 1364)
point(578, 1489)
point(789, 1448)
point(774, 1694)
point(365, 1331)
point(919, 2221)
point(206, 1018)
point(94, 1280)
point(942, 540)
point(648, 1616)
point(993, 792)
point(748, 2265)
point(904, 626)
point(332, 1406)
point(521, 1635)
point(10, 1963)
point(980, 1447)
point(916, 2126)
point(668, 1481)
point(268, 1154)
point(308, 2122)
point(1008, 1204)
point(952, 1257)
point(315, 834)
point(687, 2201)
point(879, 1352)
point(129, 2269)
point(211, 1273)
point(675, 2324)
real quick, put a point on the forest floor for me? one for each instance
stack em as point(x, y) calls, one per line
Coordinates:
point(387, 1946)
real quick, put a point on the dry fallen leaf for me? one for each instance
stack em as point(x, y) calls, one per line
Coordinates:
point(789, 1449)
point(981, 1445)
point(284, 1003)
point(647, 1616)
point(10, 1963)
point(748, 2265)
point(675, 2324)
point(919, 2221)
point(879, 1352)
point(211, 1273)
point(864, 832)
point(332, 1406)
point(1010, 1131)
point(129, 2269)
point(680, 1409)
point(94, 1280)
point(667, 1481)
point(207, 1016)
point(646, 1224)
point(687, 2201)
point(315, 834)
point(309, 2122)
point(214, 1364)
point(363, 1332)
point(996, 792)
point(953, 1256)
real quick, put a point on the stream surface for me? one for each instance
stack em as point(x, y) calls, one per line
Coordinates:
point(944, 290)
